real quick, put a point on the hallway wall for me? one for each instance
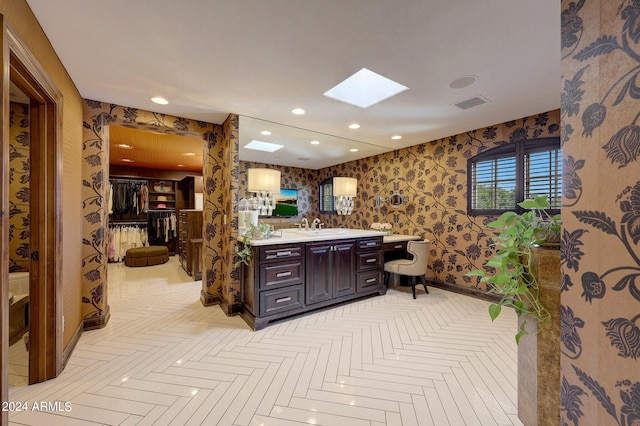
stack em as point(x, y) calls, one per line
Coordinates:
point(600, 336)
point(19, 16)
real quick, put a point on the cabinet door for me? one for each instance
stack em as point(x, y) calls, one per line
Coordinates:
point(343, 276)
point(318, 273)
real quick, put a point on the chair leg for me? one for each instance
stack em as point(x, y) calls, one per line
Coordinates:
point(423, 278)
point(413, 286)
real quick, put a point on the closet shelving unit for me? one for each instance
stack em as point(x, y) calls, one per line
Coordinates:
point(174, 193)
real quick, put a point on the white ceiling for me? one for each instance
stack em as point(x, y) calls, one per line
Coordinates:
point(262, 58)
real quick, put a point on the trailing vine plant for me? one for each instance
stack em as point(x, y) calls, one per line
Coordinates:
point(508, 270)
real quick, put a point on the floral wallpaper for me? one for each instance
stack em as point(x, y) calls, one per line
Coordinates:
point(95, 170)
point(19, 187)
point(600, 322)
point(433, 176)
point(220, 283)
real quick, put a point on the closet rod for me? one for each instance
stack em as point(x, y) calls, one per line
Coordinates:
point(141, 180)
point(128, 223)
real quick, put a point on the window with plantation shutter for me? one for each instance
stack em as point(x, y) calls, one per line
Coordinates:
point(500, 178)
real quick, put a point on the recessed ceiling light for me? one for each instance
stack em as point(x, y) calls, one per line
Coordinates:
point(396, 137)
point(315, 142)
point(180, 165)
point(263, 146)
point(190, 154)
point(159, 100)
point(365, 88)
point(124, 146)
point(354, 126)
point(462, 82)
point(265, 132)
point(297, 111)
point(354, 150)
point(127, 160)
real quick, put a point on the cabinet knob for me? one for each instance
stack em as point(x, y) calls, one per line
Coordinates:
point(283, 299)
point(371, 260)
point(371, 280)
point(283, 274)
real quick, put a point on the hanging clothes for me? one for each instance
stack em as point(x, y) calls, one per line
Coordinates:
point(123, 237)
point(161, 225)
point(125, 196)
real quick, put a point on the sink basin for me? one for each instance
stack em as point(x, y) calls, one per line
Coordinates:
point(327, 231)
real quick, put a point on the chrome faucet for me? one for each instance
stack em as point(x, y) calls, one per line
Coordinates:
point(315, 222)
point(305, 222)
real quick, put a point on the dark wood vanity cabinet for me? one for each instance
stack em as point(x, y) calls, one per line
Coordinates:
point(290, 279)
point(329, 270)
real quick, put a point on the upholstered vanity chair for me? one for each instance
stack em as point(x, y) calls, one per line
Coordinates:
point(414, 268)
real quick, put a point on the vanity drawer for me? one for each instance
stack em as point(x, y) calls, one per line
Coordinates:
point(370, 243)
point(369, 260)
point(274, 275)
point(281, 300)
point(284, 252)
point(400, 246)
point(369, 279)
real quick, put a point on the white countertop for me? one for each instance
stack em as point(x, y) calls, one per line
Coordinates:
point(396, 238)
point(290, 236)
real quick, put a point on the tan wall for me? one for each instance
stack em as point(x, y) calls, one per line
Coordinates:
point(600, 336)
point(21, 19)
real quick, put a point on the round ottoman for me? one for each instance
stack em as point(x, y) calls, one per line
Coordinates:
point(146, 256)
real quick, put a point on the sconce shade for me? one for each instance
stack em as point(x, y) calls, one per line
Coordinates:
point(263, 180)
point(345, 186)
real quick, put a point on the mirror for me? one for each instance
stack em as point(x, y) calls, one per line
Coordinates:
point(395, 200)
point(299, 147)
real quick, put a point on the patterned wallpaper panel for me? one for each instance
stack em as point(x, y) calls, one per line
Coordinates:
point(600, 329)
point(19, 188)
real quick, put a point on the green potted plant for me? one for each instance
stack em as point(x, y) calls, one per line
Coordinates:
point(262, 230)
point(511, 263)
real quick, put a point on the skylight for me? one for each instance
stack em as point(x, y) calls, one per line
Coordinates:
point(263, 146)
point(364, 89)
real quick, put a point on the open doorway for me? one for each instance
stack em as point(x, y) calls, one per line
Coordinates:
point(19, 236)
point(36, 231)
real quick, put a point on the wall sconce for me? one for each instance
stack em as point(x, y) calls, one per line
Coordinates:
point(344, 189)
point(266, 184)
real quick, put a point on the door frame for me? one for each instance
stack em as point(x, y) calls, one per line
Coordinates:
point(45, 307)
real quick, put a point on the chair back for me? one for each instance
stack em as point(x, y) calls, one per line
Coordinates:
point(420, 252)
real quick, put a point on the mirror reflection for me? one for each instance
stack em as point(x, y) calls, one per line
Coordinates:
point(296, 147)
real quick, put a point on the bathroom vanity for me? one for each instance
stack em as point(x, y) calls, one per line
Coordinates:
point(302, 271)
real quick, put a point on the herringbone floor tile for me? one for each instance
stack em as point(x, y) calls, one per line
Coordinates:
point(164, 359)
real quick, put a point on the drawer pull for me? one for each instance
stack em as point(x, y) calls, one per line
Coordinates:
point(283, 274)
point(284, 253)
point(283, 299)
point(371, 244)
point(371, 260)
point(398, 246)
point(372, 280)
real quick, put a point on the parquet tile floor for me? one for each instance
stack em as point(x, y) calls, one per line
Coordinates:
point(164, 359)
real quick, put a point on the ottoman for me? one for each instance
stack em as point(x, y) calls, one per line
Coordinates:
point(146, 256)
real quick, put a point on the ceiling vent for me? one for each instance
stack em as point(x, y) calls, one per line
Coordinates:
point(472, 102)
